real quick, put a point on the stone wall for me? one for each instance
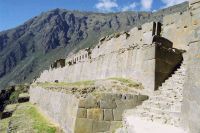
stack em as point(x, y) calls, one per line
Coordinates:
point(60, 107)
point(176, 28)
point(191, 101)
point(137, 64)
point(149, 64)
point(105, 112)
point(98, 112)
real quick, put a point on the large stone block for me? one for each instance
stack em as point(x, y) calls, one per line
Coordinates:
point(108, 115)
point(115, 125)
point(126, 104)
point(96, 114)
point(117, 113)
point(83, 125)
point(101, 126)
point(82, 113)
point(107, 104)
point(89, 102)
point(142, 97)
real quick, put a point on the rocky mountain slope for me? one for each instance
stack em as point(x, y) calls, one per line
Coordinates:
point(30, 48)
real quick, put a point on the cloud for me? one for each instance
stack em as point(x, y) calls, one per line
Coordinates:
point(106, 5)
point(172, 2)
point(146, 4)
point(132, 6)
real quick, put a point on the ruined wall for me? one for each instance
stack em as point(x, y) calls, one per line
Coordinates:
point(176, 28)
point(101, 112)
point(191, 101)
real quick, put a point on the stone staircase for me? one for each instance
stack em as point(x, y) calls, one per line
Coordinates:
point(164, 105)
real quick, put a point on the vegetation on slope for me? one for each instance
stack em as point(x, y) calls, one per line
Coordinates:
point(27, 118)
point(65, 84)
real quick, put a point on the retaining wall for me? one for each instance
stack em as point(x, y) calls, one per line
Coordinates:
point(101, 112)
point(191, 94)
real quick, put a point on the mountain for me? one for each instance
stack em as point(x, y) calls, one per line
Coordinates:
point(30, 48)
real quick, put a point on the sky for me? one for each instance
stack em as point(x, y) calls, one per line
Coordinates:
point(16, 12)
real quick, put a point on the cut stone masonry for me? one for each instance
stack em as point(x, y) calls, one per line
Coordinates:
point(162, 107)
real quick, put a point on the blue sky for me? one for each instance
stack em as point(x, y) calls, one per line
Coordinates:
point(16, 12)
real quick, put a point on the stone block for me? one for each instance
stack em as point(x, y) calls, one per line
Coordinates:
point(142, 97)
point(108, 115)
point(115, 125)
point(89, 102)
point(117, 113)
point(82, 113)
point(101, 126)
point(81, 103)
point(83, 125)
point(126, 104)
point(108, 104)
point(128, 96)
point(96, 114)
point(110, 96)
point(150, 53)
point(23, 97)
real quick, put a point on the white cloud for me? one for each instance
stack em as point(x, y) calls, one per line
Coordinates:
point(146, 4)
point(106, 5)
point(172, 2)
point(132, 6)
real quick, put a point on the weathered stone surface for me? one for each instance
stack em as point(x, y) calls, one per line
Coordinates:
point(83, 125)
point(108, 115)
point(107, 104)
point(89, 102)
point(60, 107)
point(142, 97)
point(115, 125)
point(126, 104)
point(117, 113)
point(82, 113)
point(101, 126)
point(96, 114)
point(191, 101)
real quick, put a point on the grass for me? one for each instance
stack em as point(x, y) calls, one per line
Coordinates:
point(14, 96)
point(40, 124)
point(27, 118)
point(4, 125)
point(10, 107)
point(65, 84)
point(129, 82)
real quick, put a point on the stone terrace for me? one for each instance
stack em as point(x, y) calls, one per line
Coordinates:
point(90, 106)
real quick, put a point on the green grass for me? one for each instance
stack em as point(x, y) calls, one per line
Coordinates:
point(129, 82)
point(65, 84)
point(27, 118)
point(14, 97)
point(4, 125)
point(40, 124)
point(82, 83)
